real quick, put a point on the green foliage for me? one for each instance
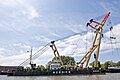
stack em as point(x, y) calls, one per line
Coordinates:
point(67, 60)
point(93, 64)
point(110, 64)
point(118, 63)
point(40, 67)
point(106, 64)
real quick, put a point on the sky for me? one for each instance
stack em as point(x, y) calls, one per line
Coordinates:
point(34, 23)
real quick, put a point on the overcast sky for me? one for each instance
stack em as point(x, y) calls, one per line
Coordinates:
point(34, 23)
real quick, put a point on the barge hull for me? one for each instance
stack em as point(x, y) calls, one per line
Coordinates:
point(57, 72)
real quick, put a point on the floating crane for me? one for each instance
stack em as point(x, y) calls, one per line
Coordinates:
point(97, 26)
point(57, 62)
point(96, 42)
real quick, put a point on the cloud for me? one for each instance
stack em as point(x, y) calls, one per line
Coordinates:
point(55, 34)
point(18, 15)
point(31, 13)
point(22, 16)
point(73, 27)
point(8, 2)
point(75, 44)
point(13, 60)
point(41, 38)
point(22, 45)
point(114, 33)
point(111, 6)
point(2, 50)
point(5, 51)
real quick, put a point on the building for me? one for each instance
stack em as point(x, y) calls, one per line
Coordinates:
point(10, 68)
point(55, 65)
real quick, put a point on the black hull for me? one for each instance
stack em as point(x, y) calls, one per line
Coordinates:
point(113, 70)
point(6, 73)
point(57, 72)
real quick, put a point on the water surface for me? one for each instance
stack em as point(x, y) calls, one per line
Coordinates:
point(108, 76)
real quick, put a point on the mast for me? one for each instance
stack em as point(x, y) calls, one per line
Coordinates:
point(30, 56)
point(33, 66)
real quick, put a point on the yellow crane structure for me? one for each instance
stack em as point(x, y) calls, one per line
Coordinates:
point(56, 53)
point(96, 42)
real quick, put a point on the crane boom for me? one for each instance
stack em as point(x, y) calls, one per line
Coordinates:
point(96, 41)
point(100, 36)
point(55, 51)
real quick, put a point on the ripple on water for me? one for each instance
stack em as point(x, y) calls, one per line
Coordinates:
point(113, 76)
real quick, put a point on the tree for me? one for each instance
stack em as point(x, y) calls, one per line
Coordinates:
point(118, 63)
point(93, 64)
point(67, 60)
point(48, 64)
point(106, 64)
point(40, 67)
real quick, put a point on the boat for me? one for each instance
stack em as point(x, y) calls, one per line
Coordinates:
point(60, 72)
point(81, 68)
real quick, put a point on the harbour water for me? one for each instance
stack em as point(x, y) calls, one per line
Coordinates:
point(108, 76)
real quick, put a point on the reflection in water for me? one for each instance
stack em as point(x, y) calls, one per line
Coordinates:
point(113, 76)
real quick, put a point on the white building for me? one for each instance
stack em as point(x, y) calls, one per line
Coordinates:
point(55, 65)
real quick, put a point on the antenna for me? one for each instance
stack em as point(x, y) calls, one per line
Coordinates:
point(31, 56)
